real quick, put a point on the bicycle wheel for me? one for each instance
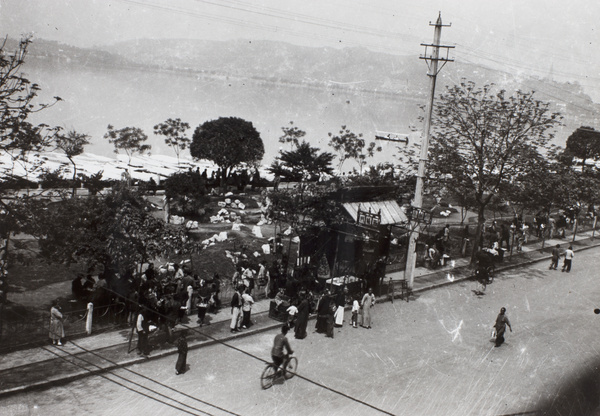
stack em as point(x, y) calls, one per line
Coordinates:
point(268, 376)
point(290, 367)
point(491, 274)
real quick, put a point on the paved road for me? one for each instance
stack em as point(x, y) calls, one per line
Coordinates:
point(432, 356)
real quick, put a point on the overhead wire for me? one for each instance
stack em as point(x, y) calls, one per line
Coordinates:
point(271, 12)
point(245, 23)
point(93, 372)
point(216, 340)
point(244, 352)
point(125, 386)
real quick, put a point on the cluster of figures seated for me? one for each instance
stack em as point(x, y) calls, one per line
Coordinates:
point(434, 257)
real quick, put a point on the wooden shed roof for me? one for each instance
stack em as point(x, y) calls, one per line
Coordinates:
point(391, 213)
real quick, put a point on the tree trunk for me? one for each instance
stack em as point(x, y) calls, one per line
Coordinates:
point(74, 178)
point(478, 234)
point(3, 280)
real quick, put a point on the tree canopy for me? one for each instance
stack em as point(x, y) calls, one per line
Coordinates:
point(228, 142)
point(174, 132)
point(18, 139)
point(72, 144)
point(116, 231)
point(188, 192)
point(128, 139)
point(483, 139)
point(349, 145)
point(584, 144)
point(291, 135)
point(305, 163)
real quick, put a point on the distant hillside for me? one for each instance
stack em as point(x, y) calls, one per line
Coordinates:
point(348, 68)
point(354, 67)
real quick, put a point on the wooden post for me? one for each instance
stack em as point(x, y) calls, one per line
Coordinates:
point(88, 321)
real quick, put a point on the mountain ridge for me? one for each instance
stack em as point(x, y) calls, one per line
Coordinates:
point(354, 68)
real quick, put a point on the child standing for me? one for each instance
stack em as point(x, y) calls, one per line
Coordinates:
point(355, 309)
point(292, 311)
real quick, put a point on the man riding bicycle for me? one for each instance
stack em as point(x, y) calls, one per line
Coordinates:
point(279, 344)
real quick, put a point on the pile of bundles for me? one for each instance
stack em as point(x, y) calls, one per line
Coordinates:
point(222, 236)
point(176, 219)
point(191, 225)
point(225, 215)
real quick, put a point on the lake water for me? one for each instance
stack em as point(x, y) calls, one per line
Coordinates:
point(94, 98)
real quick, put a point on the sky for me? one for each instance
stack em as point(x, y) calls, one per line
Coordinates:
point(551, 38)
point(533, 37)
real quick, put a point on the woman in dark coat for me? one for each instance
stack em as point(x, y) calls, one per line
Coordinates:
point(323, 313)
point(302, 319)
point(182, 350)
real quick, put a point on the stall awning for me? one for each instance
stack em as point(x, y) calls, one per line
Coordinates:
point(391, 213)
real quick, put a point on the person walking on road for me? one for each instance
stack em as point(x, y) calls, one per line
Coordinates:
point(555, 257)
point(368, 301)
point(182, 350)
point(57, 330)
point(500, 326)
point(569, 254)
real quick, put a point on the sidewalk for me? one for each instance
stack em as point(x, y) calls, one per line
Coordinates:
point(49, 366)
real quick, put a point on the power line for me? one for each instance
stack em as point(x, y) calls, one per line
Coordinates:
point(127, 380)
point(218, 341)
point(184, 394)
point(86, 350)
point(335, 25)
point(260, 26)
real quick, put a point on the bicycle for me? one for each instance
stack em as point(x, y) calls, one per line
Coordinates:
point(484, 275)
point(272, 372)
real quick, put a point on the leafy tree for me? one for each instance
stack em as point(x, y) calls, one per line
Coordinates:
point(187, 190)
point(17, 95)
point(292, 135)
point(116, 231)
point(352, 146)
point(18, 138)
point(584, 143)
point(54, 179)
point(482, 139)
point(128, 139)
point(72, 144)
point(94, 183)
point(28, 142)
point(308, 208)
point(174, 132)
point(305, 163)
point(228, 142)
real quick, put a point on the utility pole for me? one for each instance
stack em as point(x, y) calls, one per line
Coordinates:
point(417, 215)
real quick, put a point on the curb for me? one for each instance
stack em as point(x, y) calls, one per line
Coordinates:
point(212, 340)
point(79, 374)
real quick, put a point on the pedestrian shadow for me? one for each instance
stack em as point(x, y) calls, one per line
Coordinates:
point(479, 293)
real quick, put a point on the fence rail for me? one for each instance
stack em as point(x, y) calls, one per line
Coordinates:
point(21, 331)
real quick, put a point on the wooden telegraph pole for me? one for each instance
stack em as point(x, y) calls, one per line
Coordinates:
point(417, 217)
